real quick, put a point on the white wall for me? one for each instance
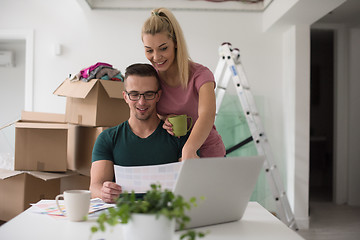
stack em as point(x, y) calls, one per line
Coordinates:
point(302, 122)
point(296, 93)
point(289, 94)
point(354, 117)
point(114, 37)
point(296, 100)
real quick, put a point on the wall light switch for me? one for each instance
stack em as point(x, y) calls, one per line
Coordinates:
point(57, 49)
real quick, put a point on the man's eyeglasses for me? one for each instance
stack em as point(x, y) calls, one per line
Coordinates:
point(135, 96)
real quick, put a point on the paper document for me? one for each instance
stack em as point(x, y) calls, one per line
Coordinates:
point(49, 207)
point(139, 179)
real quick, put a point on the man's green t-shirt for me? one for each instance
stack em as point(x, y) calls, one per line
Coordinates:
point(120, 145)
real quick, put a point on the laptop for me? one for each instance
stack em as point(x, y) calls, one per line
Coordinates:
point(225, 183)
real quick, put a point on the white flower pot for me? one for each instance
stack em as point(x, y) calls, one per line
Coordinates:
point(148, 227)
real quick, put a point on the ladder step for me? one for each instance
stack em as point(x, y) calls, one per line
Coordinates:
point(229, 67)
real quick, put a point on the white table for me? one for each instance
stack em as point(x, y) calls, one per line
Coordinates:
point(257, 223)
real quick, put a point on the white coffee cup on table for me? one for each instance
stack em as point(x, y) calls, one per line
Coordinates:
point(77, 204)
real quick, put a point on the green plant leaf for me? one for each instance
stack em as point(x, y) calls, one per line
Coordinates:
point(155, 201)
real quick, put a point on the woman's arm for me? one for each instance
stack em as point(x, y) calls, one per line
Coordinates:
point(205, 122)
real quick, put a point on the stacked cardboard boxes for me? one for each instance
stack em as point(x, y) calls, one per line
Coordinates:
point(94, 103)
point(53, 151)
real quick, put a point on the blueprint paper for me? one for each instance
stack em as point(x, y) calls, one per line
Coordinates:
point(139, 179)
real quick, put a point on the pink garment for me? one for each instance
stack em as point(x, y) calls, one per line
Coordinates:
point(176, 100)
point(85, 72)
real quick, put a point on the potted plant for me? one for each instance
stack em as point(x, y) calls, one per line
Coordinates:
point(153, 217)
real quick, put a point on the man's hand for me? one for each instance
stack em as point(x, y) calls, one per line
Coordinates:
point(167, 125)
point(110, 191)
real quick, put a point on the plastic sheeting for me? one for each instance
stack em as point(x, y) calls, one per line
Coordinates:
point(233, 128)
point(7, 147)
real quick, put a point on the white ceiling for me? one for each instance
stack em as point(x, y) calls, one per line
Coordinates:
point(348, 13)
point(194, 5)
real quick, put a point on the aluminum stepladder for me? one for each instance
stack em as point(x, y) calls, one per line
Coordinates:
point(229, 67)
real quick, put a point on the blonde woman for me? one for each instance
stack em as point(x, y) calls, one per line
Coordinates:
point(188, 87)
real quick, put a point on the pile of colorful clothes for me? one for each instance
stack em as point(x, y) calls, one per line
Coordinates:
point(99, 70)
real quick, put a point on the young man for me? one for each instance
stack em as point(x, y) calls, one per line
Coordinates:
point(139, 141)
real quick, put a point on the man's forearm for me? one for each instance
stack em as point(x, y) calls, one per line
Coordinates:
point(95, 189)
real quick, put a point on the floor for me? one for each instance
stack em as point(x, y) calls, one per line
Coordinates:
point(332, 222)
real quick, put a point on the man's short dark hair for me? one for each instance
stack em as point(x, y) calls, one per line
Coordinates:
point(142, 70)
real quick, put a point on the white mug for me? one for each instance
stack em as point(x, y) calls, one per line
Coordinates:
point(77, 204)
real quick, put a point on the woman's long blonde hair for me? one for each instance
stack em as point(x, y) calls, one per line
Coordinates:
point(162, 20)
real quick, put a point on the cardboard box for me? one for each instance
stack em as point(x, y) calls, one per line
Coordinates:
point(94, 103)
point(51, 146)
point(81, 141)
point(42, 117)
point(75, 182)
point(41, 146)
point(19, 189)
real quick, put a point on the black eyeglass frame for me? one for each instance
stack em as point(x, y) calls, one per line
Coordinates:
point(137, 98)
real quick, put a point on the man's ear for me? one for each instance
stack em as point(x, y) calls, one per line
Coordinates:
point(125, 96)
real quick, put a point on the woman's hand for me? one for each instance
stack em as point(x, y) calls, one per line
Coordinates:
point(188, 153)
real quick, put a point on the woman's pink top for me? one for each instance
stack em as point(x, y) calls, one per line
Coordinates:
point(177, 100)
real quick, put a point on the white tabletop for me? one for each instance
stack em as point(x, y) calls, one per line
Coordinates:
point(257, 223)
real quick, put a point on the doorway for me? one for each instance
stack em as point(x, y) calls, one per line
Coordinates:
point(12, 96)
point(16, 87)
point(322, 115)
